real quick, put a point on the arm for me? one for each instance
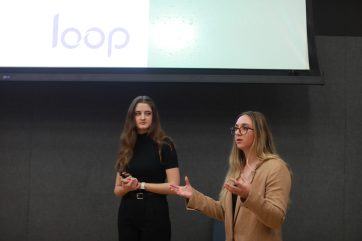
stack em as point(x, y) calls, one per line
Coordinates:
point(170, 163)
point(271, 207)
point(173, 177)
point(206, 205)
point(198, 201)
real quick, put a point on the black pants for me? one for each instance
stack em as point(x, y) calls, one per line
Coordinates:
point(144, 219)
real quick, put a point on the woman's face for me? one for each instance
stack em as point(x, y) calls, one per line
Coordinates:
point(143, 117)
point(244, 133)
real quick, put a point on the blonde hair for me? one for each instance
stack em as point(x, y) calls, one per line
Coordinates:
point(263, 146)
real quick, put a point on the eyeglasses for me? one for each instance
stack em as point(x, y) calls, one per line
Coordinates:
point(242, 130)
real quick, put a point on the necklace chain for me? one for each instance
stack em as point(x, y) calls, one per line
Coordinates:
point(252, 169)
point(250, 176)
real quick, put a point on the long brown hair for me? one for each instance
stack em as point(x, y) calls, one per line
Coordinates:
point(129, 132)
point(263, 145)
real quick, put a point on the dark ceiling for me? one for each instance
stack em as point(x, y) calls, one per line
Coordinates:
point(337, 17)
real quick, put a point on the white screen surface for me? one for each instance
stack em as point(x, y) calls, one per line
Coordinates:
point(229, 34)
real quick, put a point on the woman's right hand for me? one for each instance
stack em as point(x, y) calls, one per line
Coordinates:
point(130, 183)
point(183, 191)
point(124, 184)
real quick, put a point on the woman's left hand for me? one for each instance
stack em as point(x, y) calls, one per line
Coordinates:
point(239, 187)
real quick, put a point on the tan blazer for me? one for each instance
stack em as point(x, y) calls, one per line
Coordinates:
point(261, 215)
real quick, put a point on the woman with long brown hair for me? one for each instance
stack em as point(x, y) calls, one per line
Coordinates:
point(146, 166)
point(254, 198)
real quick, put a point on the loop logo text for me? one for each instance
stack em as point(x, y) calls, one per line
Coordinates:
point(71, 37)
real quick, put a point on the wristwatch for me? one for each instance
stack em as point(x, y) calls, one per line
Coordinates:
point(142, 187)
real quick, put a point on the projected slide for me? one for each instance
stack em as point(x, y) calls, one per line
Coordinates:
point(229, 34)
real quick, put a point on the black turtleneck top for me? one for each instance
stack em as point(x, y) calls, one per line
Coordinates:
point(146, 164)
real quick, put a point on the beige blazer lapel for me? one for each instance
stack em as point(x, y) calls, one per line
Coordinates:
point(229, 223)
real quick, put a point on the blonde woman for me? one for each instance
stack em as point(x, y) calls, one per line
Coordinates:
point(254, 198)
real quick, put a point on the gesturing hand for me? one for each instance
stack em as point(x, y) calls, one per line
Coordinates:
point(239, 187)
point(183, 191)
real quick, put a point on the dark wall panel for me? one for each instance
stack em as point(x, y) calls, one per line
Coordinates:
point(353, 139)
point(319, 174)
point(15, 156)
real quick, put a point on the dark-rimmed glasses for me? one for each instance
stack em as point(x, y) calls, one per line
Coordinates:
point(242, 130)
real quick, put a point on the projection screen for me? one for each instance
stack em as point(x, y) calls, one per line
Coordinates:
point(124, 37)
